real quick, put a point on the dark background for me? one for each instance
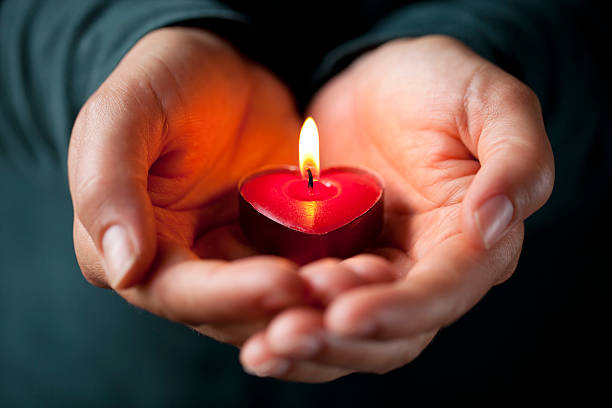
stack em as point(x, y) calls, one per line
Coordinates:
point(540, 337)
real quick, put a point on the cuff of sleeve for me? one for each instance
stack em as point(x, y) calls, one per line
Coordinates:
point(117, 27)
point(441, 18)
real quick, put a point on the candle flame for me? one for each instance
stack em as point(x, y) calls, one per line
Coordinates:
point(309, 149)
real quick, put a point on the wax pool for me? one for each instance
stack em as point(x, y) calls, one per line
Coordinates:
point(339, 216)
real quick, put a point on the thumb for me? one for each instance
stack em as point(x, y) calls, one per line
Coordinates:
point(517, 167)
point(112, 141)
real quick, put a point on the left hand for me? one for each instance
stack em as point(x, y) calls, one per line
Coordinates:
point(462, 148)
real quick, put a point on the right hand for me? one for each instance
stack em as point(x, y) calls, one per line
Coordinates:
point(154, 159)
point(464, 154)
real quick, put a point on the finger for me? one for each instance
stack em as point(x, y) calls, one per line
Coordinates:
point(111, 146)
point(507, 135)
point(439, 289)
point(371, 268)
point(87, 256)
point(299, 333)
point(225, 242)
point(258, 360)
point(233, 333)
point(196, 292)
point(329, 277)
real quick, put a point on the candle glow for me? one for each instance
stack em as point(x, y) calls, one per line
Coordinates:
point(309, 213)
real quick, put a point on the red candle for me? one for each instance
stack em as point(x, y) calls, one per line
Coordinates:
point(304, 214)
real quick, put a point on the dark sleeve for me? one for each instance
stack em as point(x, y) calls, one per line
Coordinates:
point(54, 54)
point(557, 47)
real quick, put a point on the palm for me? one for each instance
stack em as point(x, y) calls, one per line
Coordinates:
point(409, 135)
point(224, 118)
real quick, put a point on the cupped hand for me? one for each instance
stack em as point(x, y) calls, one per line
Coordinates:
point(462, 148)
point(154, 160)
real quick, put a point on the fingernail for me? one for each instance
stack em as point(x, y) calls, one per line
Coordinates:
point(492, 219)
point(270, 368)
point(118, 253)
point(303, 346)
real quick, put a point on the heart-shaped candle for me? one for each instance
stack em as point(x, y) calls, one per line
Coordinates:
point(304, 214)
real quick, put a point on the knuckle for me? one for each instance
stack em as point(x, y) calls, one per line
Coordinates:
point(514, 92)
point(496, 96)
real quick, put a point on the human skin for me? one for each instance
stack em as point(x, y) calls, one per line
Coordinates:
point(154, 159)
point(462, 148)
point(156, 153)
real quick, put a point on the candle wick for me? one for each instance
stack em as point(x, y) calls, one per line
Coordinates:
point(310, 180)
